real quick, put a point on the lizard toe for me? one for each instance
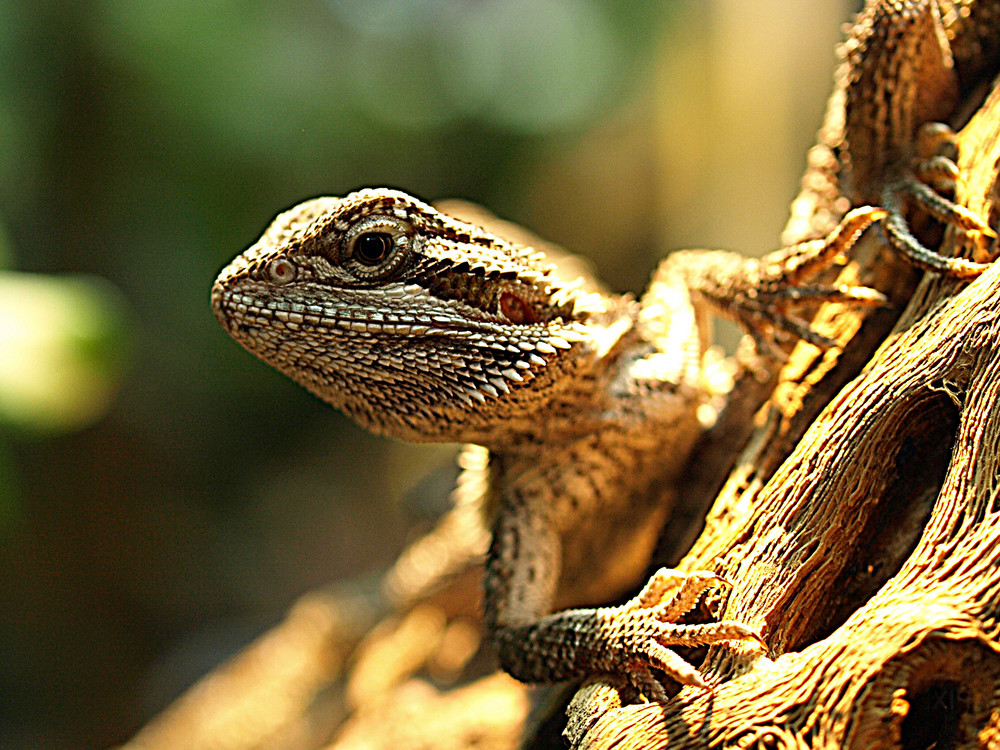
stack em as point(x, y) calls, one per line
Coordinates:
point(922, 186)
point(672, 665)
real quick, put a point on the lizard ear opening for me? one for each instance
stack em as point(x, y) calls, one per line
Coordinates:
point(516, 310)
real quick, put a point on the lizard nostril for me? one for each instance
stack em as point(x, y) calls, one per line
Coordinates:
point(281, 271)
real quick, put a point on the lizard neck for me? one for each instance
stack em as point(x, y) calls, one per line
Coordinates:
point(567, 397)
point(427, 329)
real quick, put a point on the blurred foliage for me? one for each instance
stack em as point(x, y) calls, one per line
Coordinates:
point(5, 249)
point(400, 64)
point(63, 341)
point(145, 143)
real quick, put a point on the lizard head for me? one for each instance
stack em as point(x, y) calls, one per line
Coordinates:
point(414, 323)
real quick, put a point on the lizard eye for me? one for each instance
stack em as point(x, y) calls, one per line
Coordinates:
point(376, 246)
point(280, 271)
point(371, 248)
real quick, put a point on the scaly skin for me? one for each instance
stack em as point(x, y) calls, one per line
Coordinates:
point(426, 328)
point(584, 403)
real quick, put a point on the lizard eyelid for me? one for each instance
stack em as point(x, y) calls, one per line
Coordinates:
point(376, 246)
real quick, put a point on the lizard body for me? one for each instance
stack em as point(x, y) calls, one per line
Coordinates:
point(906, 64)
point(423, 327)
point(427, 328)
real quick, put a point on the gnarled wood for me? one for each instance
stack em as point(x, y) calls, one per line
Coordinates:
point(870, 559)
point(860, 526)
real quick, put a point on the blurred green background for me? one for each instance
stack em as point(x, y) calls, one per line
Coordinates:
point(163, 495)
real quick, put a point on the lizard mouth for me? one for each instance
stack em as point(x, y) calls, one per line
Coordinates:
point(219, 307)
point(477, 350)
point(237, 308)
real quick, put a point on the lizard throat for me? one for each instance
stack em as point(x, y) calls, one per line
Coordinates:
point(422, 379)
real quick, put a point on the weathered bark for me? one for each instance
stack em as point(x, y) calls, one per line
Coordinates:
point(870, 559)
point(860, 527)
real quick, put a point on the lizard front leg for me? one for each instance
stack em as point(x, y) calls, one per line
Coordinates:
point(533, 645)
point(761, 294)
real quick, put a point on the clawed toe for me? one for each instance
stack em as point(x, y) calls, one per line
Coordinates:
point(649, 624)
point(939, 172)
point(674, 666)
point(897, 232)
point(922, 185)
point(671, 593)
point(706, 634)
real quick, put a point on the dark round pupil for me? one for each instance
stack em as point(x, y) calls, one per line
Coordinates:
point(373, 247)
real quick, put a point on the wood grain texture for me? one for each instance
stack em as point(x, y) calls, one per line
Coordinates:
point(869, 558)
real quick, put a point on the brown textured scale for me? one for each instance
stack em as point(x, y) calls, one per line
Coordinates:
point(428, 328)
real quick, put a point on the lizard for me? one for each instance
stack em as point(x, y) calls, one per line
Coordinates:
point(424, 327)
point(906, 65)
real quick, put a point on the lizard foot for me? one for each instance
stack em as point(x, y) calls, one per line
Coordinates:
point(761, 293)
point(632, 640)
point(644, 627)
point(922, 185)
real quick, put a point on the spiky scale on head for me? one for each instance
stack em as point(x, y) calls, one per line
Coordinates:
point(410, 320)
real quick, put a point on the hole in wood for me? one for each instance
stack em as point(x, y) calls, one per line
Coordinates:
point(934, 716)
point(939, 694)
point(908, 461)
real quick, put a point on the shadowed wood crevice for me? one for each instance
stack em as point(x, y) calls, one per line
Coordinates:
point(941, 694)
point(935, 716)
point(919, 452)
point(918, 428)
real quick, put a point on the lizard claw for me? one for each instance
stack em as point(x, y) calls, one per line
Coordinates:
point(647, 626)
point(644, 644)
point(934, 172)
